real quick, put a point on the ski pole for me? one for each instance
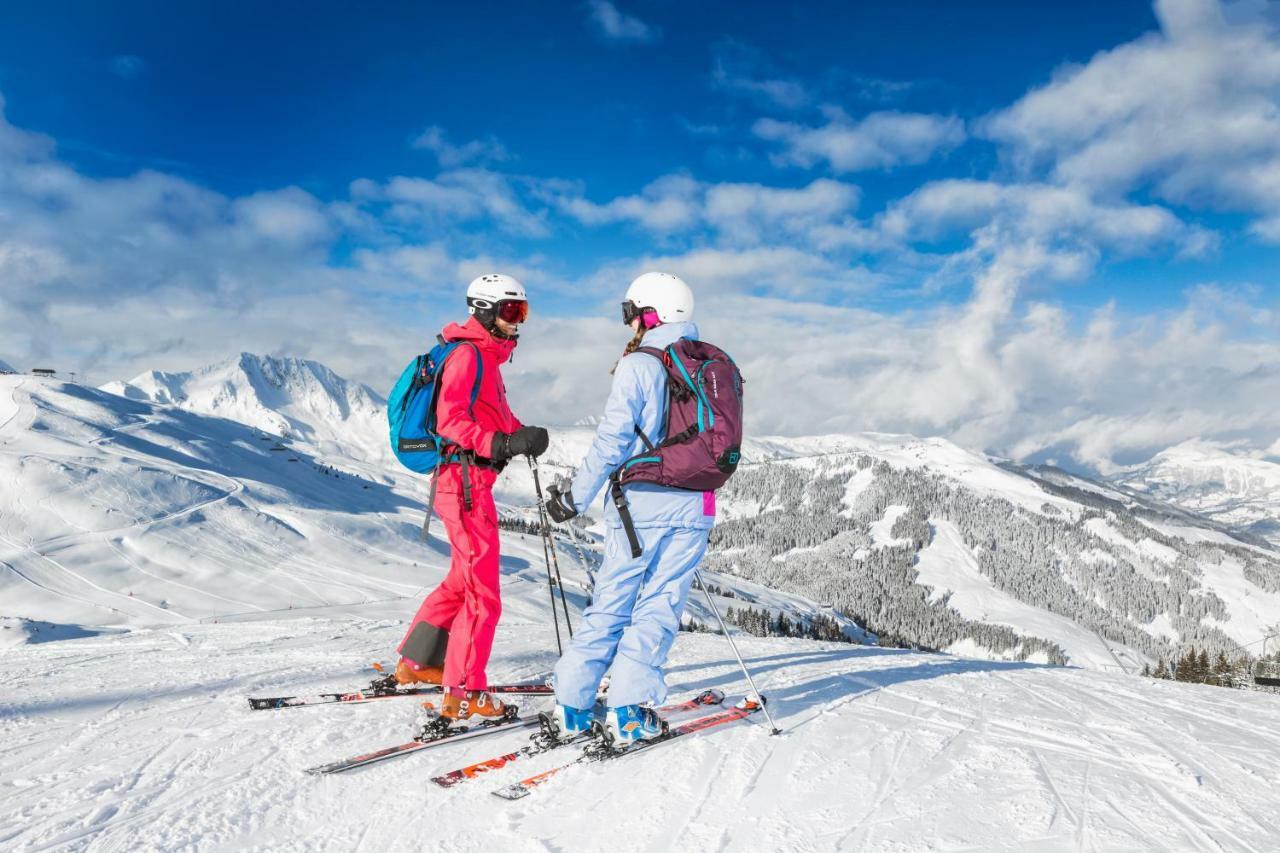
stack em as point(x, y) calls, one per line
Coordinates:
point(549, 547)
point(551, 588)
point(551, 543)
point(431, 502)
point(582, 556)
point(725, 630)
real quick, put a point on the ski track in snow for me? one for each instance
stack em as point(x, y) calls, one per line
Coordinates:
point(143, 742)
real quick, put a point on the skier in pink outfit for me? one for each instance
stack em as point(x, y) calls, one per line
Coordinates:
point(452, 634)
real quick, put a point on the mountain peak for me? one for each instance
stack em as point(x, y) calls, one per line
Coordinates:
point(285, 395)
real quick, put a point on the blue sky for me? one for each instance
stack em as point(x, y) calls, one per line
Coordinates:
point(936, 196)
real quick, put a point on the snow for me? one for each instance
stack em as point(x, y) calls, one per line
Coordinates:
point(857, 484)
point(1162, 626)
point(882, 530)
point(1253, 610)
point(976, 471)
point(157, 565)
point(1189, 533)
point(1157, 551)
point(291, 397)
point(120, 512)
point(1220, 482)
point(948, 565)
point(143, 742)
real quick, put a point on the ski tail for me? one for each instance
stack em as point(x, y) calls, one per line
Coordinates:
point(540, 744)
point(597, 752)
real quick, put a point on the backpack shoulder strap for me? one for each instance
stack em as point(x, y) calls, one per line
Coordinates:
point(475, 386)
point(450, 348)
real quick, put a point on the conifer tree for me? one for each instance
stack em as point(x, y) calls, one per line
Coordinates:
point(1222, 671)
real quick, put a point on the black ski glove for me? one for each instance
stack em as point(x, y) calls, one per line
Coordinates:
point(560, 504)
point(528, 440)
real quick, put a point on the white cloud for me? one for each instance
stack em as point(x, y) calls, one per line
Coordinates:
point(671, 203)
point(776, 271)
point(487, 150)
point(880, 140)
point(1043, 212)
point(117, 275)
point(289, 215)
point(615, 25)
point(730, 77)
point(1190, 112)
point(454, 196)
point(738, 213)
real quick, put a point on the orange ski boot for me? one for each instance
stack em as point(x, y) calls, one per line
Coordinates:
point(474, 703)
point(410, 673)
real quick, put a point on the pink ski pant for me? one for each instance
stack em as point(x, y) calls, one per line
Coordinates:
point(468, 603)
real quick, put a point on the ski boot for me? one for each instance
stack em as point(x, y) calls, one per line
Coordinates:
point(408, 672)
point(459, 705)
point(564, 724)
point(628, 724)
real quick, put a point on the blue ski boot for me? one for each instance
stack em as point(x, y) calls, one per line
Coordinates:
point(627, 724)
point(565, 723)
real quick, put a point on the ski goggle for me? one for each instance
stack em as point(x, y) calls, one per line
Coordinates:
point(648, 317)
point(512, 310)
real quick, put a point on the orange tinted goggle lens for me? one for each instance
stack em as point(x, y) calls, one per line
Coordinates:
point(513, 310)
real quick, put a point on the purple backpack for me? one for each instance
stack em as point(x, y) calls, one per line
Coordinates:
point(704, 427)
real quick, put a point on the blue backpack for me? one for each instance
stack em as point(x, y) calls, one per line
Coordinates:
point(411, 407)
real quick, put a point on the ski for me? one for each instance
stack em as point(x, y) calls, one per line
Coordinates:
point(387, 688)
point(427, 740)
point(543, 742)
point(599, 751)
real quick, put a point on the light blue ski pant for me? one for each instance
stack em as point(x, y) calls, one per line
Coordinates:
point(633, 618)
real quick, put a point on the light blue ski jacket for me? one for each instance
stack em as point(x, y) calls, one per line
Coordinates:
point(639, 398)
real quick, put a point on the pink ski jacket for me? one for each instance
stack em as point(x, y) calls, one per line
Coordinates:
point(473, 427)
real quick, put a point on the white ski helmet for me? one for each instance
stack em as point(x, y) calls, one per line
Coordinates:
point(495, 296)
point(666, 294)
point(493, 288)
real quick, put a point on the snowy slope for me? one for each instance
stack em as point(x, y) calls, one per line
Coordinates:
point(1074, 569)
point(122, 512)
point(1238, 490)
point(143, 742)
point(5, 367)
point(197, 564)
point(289, 397)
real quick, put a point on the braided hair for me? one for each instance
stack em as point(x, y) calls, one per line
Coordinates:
point(632, 346)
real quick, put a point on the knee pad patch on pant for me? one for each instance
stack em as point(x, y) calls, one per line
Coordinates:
point(426, 645)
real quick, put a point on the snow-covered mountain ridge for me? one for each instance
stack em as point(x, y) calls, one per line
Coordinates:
point(290, 397)
point(1237, 490)
point(933, 544)
point(912, 536)
point(121, 512)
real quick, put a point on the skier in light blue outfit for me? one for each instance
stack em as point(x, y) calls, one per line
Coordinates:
point(637, 603)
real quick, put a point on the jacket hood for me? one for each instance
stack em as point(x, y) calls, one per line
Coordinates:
point(668, 333)
point(472, 332)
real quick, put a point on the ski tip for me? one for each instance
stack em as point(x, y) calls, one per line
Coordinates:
point(377, 666)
